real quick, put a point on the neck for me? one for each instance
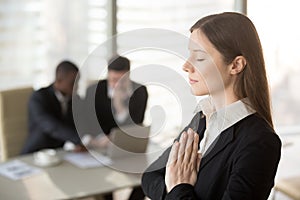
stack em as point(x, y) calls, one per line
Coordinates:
point(56, 87)
point(224, 98)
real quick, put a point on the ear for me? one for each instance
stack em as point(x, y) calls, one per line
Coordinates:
point(238, 65)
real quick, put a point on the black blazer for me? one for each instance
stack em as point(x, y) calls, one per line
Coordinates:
point(48, 128)
point(103, 107)
point(241, 166)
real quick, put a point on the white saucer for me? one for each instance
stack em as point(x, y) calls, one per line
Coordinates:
point(49, 163)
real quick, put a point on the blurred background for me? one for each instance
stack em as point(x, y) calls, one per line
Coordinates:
point(35, 35)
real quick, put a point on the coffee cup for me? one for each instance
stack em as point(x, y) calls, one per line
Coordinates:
point(46, 157)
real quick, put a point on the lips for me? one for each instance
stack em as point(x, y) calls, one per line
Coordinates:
point(192, 81)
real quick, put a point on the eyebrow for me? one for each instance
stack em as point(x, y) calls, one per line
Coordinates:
point(198, 50)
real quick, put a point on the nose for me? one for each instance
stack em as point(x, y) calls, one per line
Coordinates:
point(188, 67)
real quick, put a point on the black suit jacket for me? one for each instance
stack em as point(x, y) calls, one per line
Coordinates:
point(241, 166)
point(102, 105)
point(48, 127)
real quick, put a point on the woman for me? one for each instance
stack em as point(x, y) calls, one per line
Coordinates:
point(229, 150)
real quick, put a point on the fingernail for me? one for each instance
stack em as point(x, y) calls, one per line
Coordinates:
point(190, 131)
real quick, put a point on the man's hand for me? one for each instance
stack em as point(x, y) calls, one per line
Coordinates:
point(121, 94)
point(118, 100)
point(79, 148)
point(101, 142)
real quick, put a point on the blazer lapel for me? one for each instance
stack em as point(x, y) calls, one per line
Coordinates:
point(224, 139)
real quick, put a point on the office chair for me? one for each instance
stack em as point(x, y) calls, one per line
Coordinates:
point(13, 121)
point(289, 187)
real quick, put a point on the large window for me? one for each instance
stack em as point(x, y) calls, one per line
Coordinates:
point(35, 35)
point(280, 36)
point(174, 15)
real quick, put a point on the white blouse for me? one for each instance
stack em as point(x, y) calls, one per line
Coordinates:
point(219, 120)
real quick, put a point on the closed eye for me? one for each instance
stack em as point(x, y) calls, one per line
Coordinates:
point(201, 59)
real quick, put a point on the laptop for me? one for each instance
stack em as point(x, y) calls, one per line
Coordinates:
point(128, 141)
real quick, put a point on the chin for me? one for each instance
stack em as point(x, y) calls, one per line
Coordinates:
point(198, 92)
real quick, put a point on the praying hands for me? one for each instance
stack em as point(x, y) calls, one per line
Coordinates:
point(184, 161)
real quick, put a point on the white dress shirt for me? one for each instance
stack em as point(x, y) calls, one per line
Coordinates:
point(219, 120)
point(63, 100)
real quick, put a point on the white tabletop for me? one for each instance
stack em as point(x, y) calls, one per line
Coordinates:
point(66, 181)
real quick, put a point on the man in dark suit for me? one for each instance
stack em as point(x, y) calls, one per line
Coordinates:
point(118, 101)
point(50, 112)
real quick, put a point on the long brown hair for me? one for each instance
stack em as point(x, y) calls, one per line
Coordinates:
point(233, 34)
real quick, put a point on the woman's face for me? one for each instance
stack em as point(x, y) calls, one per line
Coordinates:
point(208, 74)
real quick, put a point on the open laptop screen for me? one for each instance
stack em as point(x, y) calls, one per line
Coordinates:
point(128, 140)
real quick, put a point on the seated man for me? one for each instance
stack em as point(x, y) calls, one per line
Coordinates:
point(118, 101)
point(50, 112)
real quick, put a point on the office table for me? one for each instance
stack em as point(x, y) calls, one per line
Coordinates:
point(288, 174)
point(66, 181)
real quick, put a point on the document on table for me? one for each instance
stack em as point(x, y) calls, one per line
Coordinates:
point(86, 160)
point(17, 169)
